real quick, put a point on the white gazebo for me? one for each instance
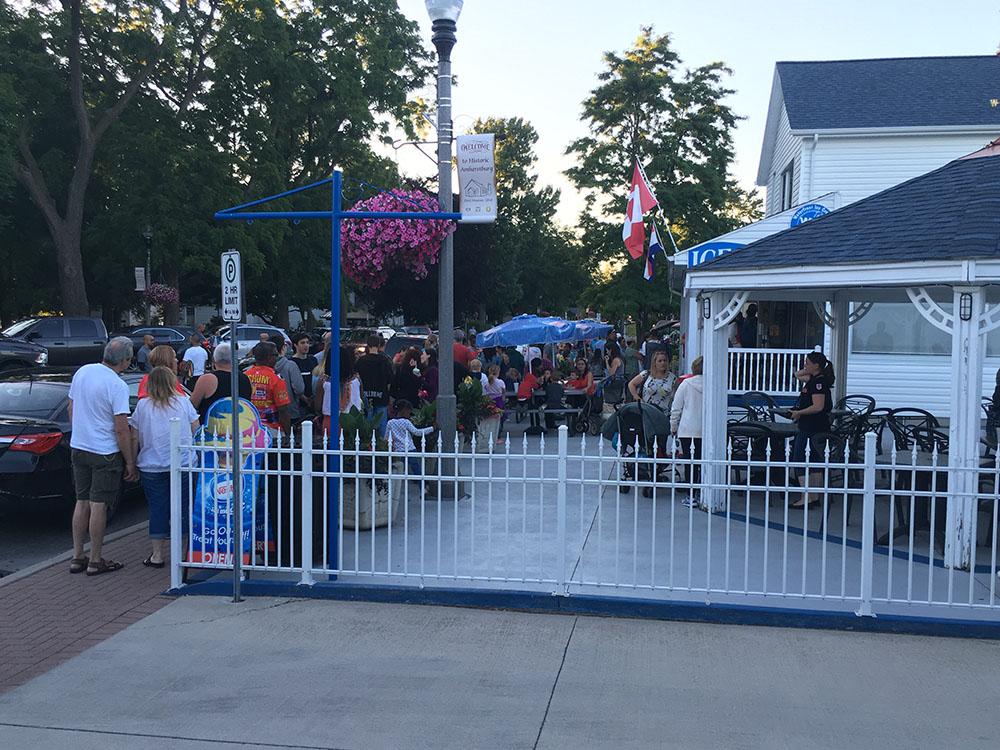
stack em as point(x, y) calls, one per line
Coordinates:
point(933, 241)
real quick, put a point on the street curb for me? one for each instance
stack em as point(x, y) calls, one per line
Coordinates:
point(68, 555)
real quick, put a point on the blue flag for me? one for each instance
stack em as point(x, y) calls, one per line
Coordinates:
point(654, 248)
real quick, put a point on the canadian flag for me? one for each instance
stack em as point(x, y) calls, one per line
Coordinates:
point(640, 200)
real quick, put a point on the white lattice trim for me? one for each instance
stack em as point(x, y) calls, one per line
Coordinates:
point(732, 308)
point(931, 310)
point(824, 314)
point(990, 319)
point(861, 309)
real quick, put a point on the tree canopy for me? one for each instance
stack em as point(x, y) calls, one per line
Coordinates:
point(675, 123)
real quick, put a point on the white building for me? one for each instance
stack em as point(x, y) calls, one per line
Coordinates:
point(840, 131)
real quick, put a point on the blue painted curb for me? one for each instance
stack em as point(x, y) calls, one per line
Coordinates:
point(581, 604)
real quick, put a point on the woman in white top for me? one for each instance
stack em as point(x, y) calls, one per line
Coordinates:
point(350, 389)
point(151, 439)
point(685, 419)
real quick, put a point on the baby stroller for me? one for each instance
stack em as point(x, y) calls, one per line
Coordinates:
point(609, 392)
point(590, 416)
point(635, 443)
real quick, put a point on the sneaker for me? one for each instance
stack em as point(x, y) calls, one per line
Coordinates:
point(690, 502)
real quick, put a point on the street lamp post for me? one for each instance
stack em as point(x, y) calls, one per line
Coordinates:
point(147, 234)
point(444, 17)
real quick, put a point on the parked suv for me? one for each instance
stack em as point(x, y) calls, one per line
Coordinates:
point(248, 336)
point(15, 355)
point(69, 341)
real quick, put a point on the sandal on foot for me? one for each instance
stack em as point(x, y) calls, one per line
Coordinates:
point(103, 566)
point(78, 564)
point(148, 562)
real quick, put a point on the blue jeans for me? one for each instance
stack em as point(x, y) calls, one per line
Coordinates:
point(156, 487)
point(383, 413)
point(413, 462)
point(802, 439)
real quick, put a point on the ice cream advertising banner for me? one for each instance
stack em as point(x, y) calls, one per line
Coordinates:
point(477, 184)
point(213, 498)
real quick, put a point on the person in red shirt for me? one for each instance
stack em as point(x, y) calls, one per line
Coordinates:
point(531, 383)
point(463, 354)
point(269, 392)
point(161, 356)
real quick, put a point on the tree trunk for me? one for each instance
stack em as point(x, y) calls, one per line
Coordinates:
point(281, 306)
point(72, 289)
point(171, 311)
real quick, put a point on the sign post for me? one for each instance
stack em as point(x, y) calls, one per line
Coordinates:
point(232, 312)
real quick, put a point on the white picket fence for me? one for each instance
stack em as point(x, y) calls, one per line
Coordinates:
point(571, 516)
point(769, 370)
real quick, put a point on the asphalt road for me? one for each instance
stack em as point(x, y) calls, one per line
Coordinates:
point(30, 535)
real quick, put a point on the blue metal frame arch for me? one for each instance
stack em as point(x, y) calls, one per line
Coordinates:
point(336, 214)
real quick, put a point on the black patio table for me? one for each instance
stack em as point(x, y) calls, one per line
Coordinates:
point(923, 468)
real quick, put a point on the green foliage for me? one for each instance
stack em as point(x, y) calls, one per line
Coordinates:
point(521, 263)
point(426, 415)
point(678, 127)
point(230, 102)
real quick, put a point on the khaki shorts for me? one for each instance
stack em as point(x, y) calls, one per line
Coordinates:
point(97, 478)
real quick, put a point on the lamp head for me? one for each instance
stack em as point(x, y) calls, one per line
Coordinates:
point(444, 10)
point(147, 233)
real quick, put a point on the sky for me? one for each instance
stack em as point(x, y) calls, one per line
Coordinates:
point(539, 59)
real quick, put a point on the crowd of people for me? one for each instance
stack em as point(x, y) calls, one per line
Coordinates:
point(288, 385)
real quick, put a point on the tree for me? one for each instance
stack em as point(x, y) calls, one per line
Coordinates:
point(678, 127)
point(522, 262)
point(103, 54)
point(288, 105)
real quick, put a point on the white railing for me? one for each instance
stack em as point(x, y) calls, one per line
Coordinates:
point(769, 370)
point(572, 516)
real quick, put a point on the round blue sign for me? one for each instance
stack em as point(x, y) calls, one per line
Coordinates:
point(807, 212)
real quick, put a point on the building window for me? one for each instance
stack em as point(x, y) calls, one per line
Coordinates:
point(787, 185)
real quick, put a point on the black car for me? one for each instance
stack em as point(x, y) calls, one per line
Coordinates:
point(69, 341)
point(179, 337)
point(17, 355)
point(35, 431)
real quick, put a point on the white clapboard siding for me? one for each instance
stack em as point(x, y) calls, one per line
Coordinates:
point(897, 380)
point(860, 166)
point(786, 148)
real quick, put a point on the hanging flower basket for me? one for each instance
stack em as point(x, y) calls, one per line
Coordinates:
point(370, 248)
point(161, 294)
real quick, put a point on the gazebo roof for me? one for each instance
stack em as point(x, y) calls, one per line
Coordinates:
point(952, 213)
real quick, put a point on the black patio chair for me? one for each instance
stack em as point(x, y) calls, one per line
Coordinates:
point(907, 421)
point(747, 442)
point(736, 414)
point(761, 404)
point(876, 421)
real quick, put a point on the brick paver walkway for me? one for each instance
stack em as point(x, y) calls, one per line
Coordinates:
point(51, 616)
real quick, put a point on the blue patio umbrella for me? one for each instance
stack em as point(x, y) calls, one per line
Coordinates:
point(531, 329)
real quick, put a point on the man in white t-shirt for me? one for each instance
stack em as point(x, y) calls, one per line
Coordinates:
point(101, 450)
point(197, 356)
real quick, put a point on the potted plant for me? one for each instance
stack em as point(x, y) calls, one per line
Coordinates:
point(426, 416)
point(477, 414)
point(365, 499)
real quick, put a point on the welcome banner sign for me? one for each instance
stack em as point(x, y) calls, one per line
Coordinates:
point(477, 183)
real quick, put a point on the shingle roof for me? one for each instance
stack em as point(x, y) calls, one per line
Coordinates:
point(950, 213)
point(896, 92)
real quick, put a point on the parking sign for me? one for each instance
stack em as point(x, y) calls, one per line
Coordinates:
point(232, 287)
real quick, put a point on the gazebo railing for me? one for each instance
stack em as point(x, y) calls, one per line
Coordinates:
point(768, 370)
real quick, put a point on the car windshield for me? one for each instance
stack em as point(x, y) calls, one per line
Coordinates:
point(19, 327)
point(27, 398)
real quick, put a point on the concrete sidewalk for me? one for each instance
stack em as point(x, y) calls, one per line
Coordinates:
point(206, 673)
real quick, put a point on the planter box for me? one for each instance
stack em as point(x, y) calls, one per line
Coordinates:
point(386, 509)
point(487, 432)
